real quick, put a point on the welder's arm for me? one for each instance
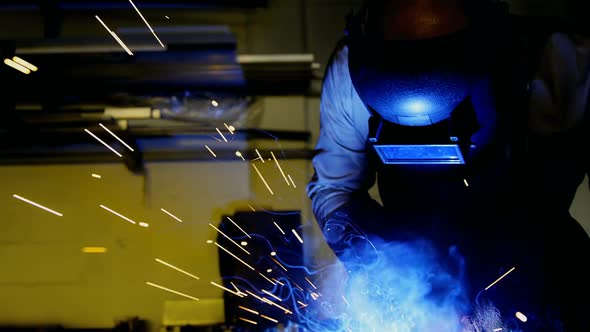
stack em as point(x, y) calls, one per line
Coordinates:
point(561, 87)
point(344, 171)
point(558, 140)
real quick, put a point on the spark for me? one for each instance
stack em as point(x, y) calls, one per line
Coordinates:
point(303, 304)
point(297, 236)
point(345, 301)
point(268, 270)
point(209, 241)
point(465, 181)
point(287, 311)
point(278, 282)
point(103, 143)
point(505, 274)
point(25, 63)
point(121, 43)
point(294, 283)
point(16, 66)
point(293, 183)
point(279, 264)
point(94, 250)
point(311, 283)
point(177, 268)
point(244, 243)
point(214, 155)
point(117, 214)
point(272, 295)
point(251, 208)
point(215, 138)
point(498, 329)
point(265, 277)
point(237, 289)
point(166, 16)
point(114, 35)
point(240, 228)
point(280, 169)
point(115, 136)
point(172, 291)
point(234, 256)
point(96, 176)
point(214, 103)
point(259, 156)
point(249, 321)
point(143, 224)
point(270, 319)
point(272, 253)
point(265, 300)
point(171, 215)
point(227, 237)
point(37, 205)
point(255, 296)
point(226, 289)
point(229, 128)
point(314, 296)
point(221, 134)
point(279, 227)
point(263, 180)
point(521, 316)
point(146, 23)
point(249, 310)
point(239, 154)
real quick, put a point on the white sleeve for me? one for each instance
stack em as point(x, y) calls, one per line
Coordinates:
point(342, 163)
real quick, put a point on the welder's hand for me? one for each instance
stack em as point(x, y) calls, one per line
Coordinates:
point(350, 229)
point(345, 238)
point(335, 227)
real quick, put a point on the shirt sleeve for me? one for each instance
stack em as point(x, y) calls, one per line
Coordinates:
point(561, 86)
point(342, 163)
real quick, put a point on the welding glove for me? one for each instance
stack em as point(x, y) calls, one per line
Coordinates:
point(351, 229)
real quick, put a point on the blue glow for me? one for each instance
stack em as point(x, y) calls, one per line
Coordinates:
point(402, 287)
point(420, 154)
point(393, 286)
point(390, 286)
point(417, 105)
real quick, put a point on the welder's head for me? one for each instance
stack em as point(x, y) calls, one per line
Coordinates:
point(408, 59)
point(414, 20)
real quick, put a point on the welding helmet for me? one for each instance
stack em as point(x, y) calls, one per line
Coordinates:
point(415, 77)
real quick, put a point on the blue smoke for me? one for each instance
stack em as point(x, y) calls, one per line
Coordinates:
point(407, 289)
point(398, 287)
point(409, 286)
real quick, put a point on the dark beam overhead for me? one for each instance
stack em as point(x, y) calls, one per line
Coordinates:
point(111, 4)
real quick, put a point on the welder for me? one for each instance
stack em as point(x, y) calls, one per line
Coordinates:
point(426, 97)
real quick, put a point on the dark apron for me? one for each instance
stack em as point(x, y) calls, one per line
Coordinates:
point(503, 211)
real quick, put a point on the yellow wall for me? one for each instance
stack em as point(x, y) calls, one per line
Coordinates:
point(581, 206)
point(46, 279)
